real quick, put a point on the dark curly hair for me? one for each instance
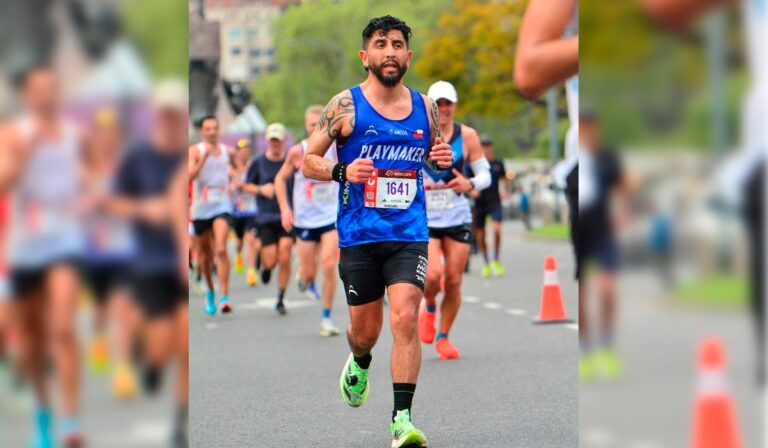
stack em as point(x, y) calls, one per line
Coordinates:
point(384, 25)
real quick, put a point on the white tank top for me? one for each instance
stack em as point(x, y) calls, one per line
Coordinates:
point(562, 169)
point(45, 218)
point(315, 203)
point(210, 192)
point(244, 203)
point(445, 208)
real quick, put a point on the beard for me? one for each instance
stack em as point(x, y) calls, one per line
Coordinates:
point(388, 80)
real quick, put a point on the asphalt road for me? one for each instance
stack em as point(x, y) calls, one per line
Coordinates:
point(262, 380)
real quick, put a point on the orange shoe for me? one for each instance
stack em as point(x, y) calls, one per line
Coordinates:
point(426, 324)
point(446, 350)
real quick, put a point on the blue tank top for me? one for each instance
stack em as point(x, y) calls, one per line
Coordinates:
point(392, 145)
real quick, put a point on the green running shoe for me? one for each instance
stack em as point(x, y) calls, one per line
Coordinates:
point(485, 272)
point(497, 268)
point(586, 368)
point(354, 383)
point(608, 363)
point(404, 434)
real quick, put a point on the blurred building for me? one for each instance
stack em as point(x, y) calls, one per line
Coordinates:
point(246, 44)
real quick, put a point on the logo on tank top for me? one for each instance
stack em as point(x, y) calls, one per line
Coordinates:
point(371, 130)
point(419, 133)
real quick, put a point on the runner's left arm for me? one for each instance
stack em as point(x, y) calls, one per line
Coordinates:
point(477, 161)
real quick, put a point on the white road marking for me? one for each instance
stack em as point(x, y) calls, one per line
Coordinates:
point(572, 326)
point(471, 299)
point(211, 325)
point(492, 305)
point(268, 303)
point(597, 438)
point(141, 434)
point(516, 312)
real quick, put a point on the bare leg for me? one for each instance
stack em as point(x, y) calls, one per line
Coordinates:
point(405, 361)
point(365, 323)
point(456, 255)
point(62, 288)
point(434, 271)
point(220, 234)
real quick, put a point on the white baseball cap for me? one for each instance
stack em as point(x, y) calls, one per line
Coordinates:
point(442, 89)
point(170, 94)
point(275, 131)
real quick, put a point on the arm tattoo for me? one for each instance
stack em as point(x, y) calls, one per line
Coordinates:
point(435, 125)
point(332, 119)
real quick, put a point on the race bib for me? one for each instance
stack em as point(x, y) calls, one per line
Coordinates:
point(390, 189)
point(212, 195)
point(440, 199)
point(48, 219)
point(322, 192)
point(246, 203)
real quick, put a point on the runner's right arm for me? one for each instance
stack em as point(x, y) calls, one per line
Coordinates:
point(337, 120)
point(292, 159)
point(196, 161)
point(13, 158)
point(544, 57)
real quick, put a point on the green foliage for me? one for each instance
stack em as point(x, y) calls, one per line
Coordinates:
point(160, 30)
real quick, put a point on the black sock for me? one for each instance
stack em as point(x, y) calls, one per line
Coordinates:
point(364, 361)
point(403, 397)
point(280, 295)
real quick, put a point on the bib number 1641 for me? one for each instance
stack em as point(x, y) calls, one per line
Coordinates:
point(390, 189)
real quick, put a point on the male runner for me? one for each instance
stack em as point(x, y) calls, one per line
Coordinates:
point(488, 203)
point(143, 186)
point(449, 218)
point(40, 163)
point(276, 242)
point(383, 130)
point(244, 213)
point(313, 220)
point(210, 168)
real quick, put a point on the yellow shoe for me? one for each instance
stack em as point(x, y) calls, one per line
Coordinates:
point(98, 355)
point(608, 363)
point(239, 264)
point(251, 279)
point(124, 383)
point(485, 272)
point(586, 368)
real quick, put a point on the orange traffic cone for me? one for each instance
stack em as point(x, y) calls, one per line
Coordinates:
point(551, 310)
point(714, 415)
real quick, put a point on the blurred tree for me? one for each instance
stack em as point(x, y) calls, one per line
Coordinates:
point(160, 30)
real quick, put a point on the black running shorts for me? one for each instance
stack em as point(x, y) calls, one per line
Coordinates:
point(366, 270)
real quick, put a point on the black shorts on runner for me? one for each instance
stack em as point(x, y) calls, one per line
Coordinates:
point(104, 279)
point(366, 270)
point(482, 211)
point(204, 225)
point(159, 294)
point(25, 280)
point(313, 235)
point(242, 224)
point(462, 233)
point(269, 233)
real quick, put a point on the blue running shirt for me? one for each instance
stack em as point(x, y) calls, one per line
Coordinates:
point(391, 206)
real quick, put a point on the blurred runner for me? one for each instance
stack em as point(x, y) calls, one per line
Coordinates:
point(449, 219)
point(276, 242)
point(314, 216)
point(142, 193)
point(383, 130)
point(600, 176)
point(488, 204)
point(244, 213)
point(109, 250)
point(41, 163)
point(210, 164)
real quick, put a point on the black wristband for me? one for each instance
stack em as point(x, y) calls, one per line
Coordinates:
point(339, 173)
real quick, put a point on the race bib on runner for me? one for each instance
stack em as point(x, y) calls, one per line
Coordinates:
point(212, 195)
point(440, 199)
point(322, 192)
point(246, 203)
point(48, 219)
point(390, 189)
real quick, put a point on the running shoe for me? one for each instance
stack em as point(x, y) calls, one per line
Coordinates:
point(496, 268)
point(98, 354)
point(327, 328)
point(43, 437)
point(210, 302)
point(251, 279)
point(71, 436)
point(354, 383)
point(446, 350)
point(404, 434)
point(426, 324)
point(312, 292)
point(224, 305)
point(124, 382)
point(239, 267)
point(280, 308)
point(586, 368)
point(266, 274)
point(608, 363)
point(485, 272)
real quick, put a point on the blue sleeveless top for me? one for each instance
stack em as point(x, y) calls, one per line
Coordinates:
point(392, 145)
